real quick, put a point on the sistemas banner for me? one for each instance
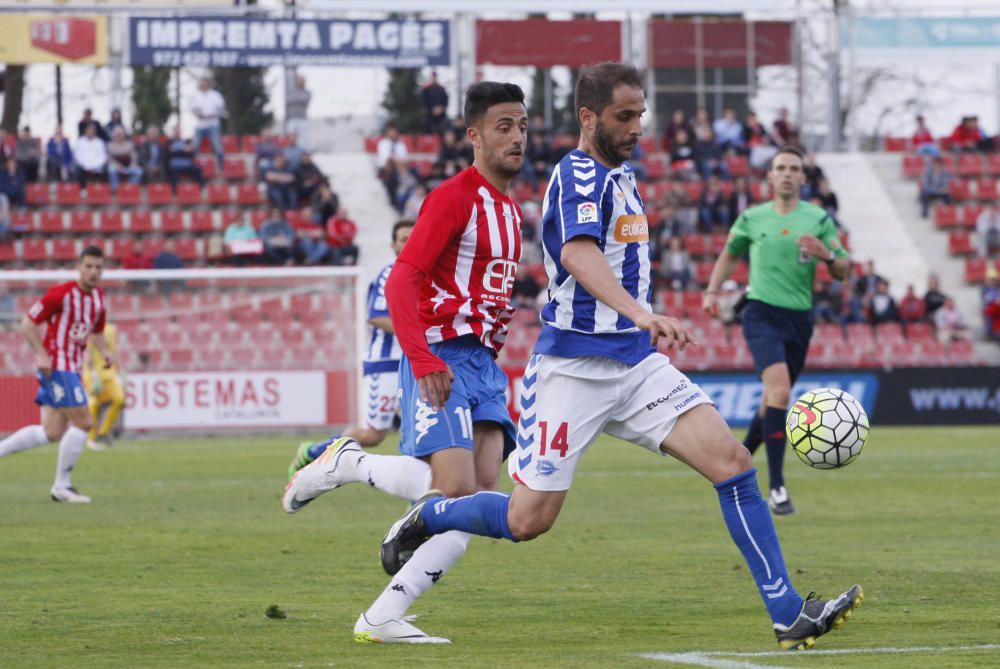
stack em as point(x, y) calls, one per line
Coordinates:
point(215, 41)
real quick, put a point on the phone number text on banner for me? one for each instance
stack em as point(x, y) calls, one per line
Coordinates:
point(249, 42)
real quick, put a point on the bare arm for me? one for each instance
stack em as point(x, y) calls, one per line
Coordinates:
point(33, 334)
point(102, 346)
point(583, 259)
point(382, 323)
point(723, 268)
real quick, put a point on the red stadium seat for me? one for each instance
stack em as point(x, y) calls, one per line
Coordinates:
point(51, 222)
point(960, 243)
point(655, 168)
point(140, 221)
point(202, 221)
point(257, 217)
point(741, 274)
point(110, 222)
point(36, 194)
point(64, 248)
point(120, 248)
point(81, 222)
point(946, 216)
point(932, 352)
point(218, 195)
point(68, 194)
point(234, 169)
point(180, 359)
point(919, 331)
point(960, 352)
point(250, 143)
point(159, 194)
point(993, 162)
point(896, 144)
point(902, 352)
point(188, 248)
point(230, 144)
point(970, 213)
point(970, 165)
point(8, 253)
point(129, 195)
point(975, 270)
point(695, 245)
point(21, 221)
point(913, 166)
point(248, 195)
point(693, 189)
point(738, 166)
point(188, 194)
point(959, 190)
point(886, 333)
point(371, 144)
point(99, 194)
point(759, 190)
point(34, 249)
point(209, 166)
point(986, 189)
point(428, 144)
point(231, 216)
point(242, 357)
point(172, 220)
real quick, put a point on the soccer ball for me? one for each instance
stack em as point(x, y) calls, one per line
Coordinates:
point(827, 428)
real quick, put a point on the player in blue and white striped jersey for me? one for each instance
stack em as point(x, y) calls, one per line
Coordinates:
point(380, 369)
point(595, 369)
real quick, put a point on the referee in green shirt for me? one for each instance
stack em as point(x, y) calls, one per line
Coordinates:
point(785, 238)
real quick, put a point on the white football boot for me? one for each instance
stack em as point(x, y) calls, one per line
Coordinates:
point(392, 631)
point(328, 471)
point(68, 494)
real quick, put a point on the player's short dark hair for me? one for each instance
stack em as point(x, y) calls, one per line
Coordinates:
point(485, 94)
point(91, 251)
point(790, 150)
point(596, 85)
point(400, 224)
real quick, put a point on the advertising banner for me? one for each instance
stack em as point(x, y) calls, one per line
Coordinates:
point(956, 396)
point(225, 399)
point(35, 38)
point(255, 42)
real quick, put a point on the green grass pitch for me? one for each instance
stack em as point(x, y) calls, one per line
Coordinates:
point(185, 550)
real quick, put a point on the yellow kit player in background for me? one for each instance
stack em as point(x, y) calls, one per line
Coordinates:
point(104, 391)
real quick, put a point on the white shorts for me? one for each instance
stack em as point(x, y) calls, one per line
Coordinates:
point(381, 399)
point(567, 402)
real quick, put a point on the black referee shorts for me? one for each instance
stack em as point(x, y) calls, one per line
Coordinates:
point(777, 335)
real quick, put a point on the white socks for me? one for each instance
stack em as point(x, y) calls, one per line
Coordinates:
point(70, 448)
point(398, 475)
point(24, 439)
point(428, 564)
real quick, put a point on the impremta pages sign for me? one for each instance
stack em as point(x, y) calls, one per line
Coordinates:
point(255, 42)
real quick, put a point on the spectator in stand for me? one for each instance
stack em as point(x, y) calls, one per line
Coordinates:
point(7, 145)
point(293, 152)
point(968, 137)
point(850, 304)
point(682, 155)
point(308, 177)
point(415, 200)
point(675, 265)
point(713, 207)
point(949, 322)
point(536, 124)
point(933, 298)
point(538, 162)
point(990, 295)
point(122, 159)
point(311, 234)
point(324, 204)
point(390, 147)
point(882, 305)
point(988, 231)
point(524, 293)
point(153, 156)
point(138, 258)
point(28, 151)
point(826, 296)
point(5, 224)
point(813, 173)
point(701, 120)
point(240, 230)
point(58, 158)
point(707, 155)
point(115, 123)
point(911, 308)
point(296, 110)
point(280, 182)
point(435, 100)
point(758, 142)
point(403, 180)
point(991, 313)
point(340, 231)
point(278, 237)
point(934, 185)
point(923, 141)
point(729, 132)
point(12, 183)
point(866, 284)
point(682, 210)
point(87, 121)
point(168, 257)
point(827, 198)
point(209, 107)
point(784, 130)
point(90, 156)
point(678, 121)
point(531, 221)
point(266, 151)
point(741, 198)
point(180, 160)
point(450, 156)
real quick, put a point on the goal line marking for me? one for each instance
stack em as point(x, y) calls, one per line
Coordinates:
point(722, 659)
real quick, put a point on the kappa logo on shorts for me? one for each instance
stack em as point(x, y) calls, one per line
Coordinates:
point(425, 419)
point(545, 468)
point(57, 392)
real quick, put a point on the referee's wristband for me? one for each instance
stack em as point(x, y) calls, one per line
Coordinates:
point(829, 260)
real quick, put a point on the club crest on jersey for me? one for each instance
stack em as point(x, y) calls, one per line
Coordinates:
point(586, 212)
point(499, 276)
point(79, 331)
point(630, 228)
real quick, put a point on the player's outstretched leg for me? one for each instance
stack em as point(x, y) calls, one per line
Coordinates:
point(818, 617)
point(307, 452)
point(346, 462)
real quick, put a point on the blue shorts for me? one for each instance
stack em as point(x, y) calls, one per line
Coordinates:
point(776, 335)
point(61, 390)
point(478, 393)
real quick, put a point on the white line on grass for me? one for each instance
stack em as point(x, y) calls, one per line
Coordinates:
point(716, 659)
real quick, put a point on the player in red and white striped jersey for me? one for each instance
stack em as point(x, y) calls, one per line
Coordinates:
point(71, 312)
point(449, 297)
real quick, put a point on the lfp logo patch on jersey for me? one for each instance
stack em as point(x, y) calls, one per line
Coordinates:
point(586, 212)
